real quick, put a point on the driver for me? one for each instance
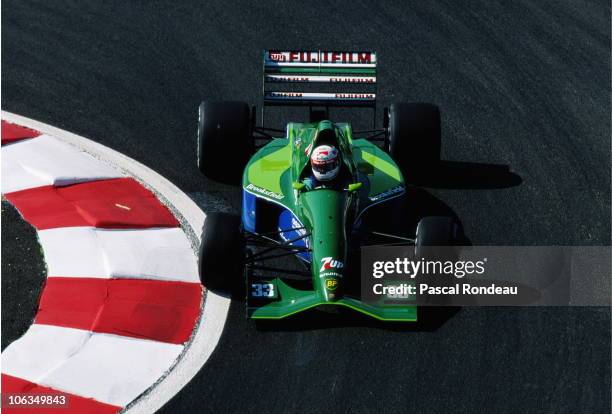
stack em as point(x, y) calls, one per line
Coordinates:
point(325, 164)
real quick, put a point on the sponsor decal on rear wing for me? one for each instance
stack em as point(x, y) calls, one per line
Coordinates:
point(346, 70)
point(277, 58)
point(320, 78)
point(272, 97)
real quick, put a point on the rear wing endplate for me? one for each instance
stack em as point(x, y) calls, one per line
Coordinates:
point(346, 79)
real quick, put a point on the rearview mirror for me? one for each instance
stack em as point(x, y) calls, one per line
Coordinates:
point(354, 186)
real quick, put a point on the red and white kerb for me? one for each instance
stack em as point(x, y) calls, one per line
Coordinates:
point(122, 295)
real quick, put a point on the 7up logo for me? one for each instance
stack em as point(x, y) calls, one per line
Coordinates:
point(330, 263)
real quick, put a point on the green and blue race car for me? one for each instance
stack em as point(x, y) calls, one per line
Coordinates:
point(284, 214)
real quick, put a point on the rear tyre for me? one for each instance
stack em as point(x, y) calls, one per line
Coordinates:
point(414, 136)
point(225, 140)
point(222, 252)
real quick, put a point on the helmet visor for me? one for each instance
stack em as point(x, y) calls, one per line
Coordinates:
point(324, 167)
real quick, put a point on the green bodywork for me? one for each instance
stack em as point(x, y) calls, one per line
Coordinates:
point(275, 174)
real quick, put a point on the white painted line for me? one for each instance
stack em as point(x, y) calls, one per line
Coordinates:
point(48, 161)
point(160, 254)
point(210, 327)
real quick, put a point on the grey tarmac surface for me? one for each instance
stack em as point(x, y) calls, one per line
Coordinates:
point(524, 92)
point(23, 274)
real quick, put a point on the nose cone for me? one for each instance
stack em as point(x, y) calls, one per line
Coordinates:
point(325, 210)
point(331, 277)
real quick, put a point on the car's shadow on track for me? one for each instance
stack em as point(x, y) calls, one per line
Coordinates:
point(419, 202)
point(467, 175)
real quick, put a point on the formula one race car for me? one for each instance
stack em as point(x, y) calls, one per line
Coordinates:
point(287, 212)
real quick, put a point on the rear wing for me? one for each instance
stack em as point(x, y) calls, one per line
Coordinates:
point(346, 79)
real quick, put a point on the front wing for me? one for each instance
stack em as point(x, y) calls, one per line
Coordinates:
point(274, 298)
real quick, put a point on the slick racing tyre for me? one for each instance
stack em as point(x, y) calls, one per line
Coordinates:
point(435, 240)
point(414, 136)
point(222, 252)
point(225, 140)
point(433, 232)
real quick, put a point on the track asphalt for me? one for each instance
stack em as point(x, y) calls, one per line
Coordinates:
point(24, 273)
point(524, 92)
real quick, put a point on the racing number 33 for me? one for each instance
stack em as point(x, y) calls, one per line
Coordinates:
point(263, 290)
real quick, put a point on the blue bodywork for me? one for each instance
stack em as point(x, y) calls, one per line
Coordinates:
point(289, 226)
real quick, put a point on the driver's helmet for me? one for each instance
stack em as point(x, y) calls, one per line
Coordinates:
point(325, 162)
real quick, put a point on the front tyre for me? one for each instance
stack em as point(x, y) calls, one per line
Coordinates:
point(436, 236)
point(222, 252)
point(435, 241)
